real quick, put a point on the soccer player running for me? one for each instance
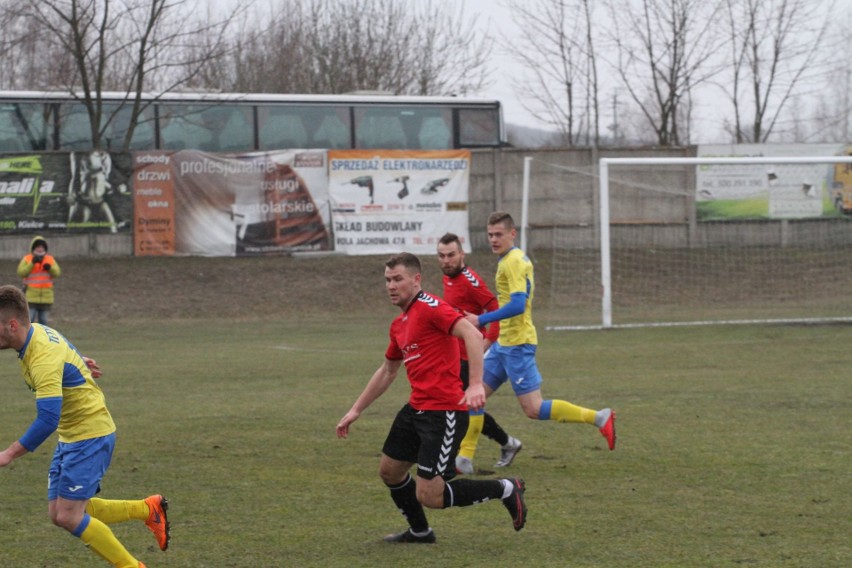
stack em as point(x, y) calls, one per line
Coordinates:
point(428, 429)
point(467, 292)
point(69, 401)
point(512, 357)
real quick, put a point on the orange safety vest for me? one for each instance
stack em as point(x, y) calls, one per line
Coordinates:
point(39, 277)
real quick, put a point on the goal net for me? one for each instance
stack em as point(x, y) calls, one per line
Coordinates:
point(691, 241)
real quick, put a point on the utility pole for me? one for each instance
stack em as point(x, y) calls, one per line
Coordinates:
point(613, 127)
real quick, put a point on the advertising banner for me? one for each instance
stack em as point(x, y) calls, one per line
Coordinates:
point(195, 203)
point(767, 191)
point(388, 201)
point(71, 192)
point(154, 200)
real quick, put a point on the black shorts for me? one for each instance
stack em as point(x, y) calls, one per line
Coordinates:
point(429, 438)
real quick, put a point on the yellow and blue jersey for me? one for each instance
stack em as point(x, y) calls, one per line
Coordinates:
point(515, 275)
point(54, 369)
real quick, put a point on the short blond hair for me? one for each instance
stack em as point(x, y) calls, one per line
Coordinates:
point(13, 304)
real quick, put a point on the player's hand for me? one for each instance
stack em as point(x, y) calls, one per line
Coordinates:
point(473, 319)
point(46, 266)
point(474, 397)
point(93, 367)
point(343, 425)
point(37, 258)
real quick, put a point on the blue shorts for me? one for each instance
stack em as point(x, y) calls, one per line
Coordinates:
point(515, 363)
point(77, 468)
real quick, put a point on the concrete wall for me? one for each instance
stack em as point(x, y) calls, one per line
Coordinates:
point(69, 246)
point(654, 208)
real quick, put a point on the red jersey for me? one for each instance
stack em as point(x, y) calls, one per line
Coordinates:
point(467, 292)
point(420, 336)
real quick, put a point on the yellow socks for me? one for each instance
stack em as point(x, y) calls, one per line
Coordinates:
point(100, 540)
point(112, 511)
point(563, 411)
point(471, 437)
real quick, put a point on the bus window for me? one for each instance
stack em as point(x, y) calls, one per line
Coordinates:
point(233, 127)
point(435, 132)
point(23, 126)
point(379, 127)
point(12, 136)
point(182, 127)
point(334, 130)
point(479, 127)
point(281, 128)
point(75, 130)
point(143, 134)
point(210, 128)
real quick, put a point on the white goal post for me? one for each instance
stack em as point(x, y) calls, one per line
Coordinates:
point(802, 263)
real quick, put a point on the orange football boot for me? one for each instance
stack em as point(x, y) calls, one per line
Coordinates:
point(157, 521)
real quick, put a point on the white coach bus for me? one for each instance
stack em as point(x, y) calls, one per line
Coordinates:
point(233, 122)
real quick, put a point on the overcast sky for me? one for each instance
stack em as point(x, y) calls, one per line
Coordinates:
point(709, 112)
point(491, 16)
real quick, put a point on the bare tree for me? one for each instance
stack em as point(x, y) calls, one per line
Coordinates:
point(831, 118)
point(129, 46)
point(664, 52)
point(774, 46)
point(28, 58)
point(830, 111)
point(325, 46)
point(560, 87)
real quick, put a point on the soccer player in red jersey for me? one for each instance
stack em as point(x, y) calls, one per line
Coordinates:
point(468, 293)
point(428, 428)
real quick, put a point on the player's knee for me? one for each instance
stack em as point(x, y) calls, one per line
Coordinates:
point(532, 411)
point(391, 472)
point(67, 520)
point(389, 477)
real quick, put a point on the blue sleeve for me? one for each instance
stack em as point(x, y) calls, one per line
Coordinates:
point(516, 306)
point(45, 424)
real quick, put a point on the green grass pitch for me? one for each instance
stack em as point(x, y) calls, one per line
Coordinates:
point(733, 450)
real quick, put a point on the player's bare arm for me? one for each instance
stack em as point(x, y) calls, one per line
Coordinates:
point(10, 454)
point(376, 387)
point(474, 396)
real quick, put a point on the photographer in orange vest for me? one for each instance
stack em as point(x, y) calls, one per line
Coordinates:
point(38, 269)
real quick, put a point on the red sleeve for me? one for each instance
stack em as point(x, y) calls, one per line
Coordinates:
point(393, 352)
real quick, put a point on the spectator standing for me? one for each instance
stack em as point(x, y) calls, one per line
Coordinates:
point(38, 269)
